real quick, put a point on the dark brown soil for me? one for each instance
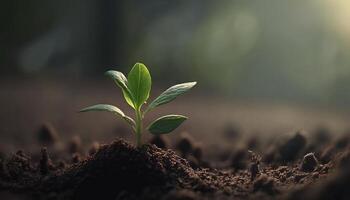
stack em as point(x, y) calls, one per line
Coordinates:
point(121, 171)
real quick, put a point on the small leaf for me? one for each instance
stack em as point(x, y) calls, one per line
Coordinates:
point(139, 83)
point(166, 124)
point(171, 94)
point(122, 82)
point(109, 108)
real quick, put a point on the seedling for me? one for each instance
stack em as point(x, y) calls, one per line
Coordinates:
point(136, 89)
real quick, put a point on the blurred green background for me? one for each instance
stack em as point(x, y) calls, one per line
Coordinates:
point(292, 50)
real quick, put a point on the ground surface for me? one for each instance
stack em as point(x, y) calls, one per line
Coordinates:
point(226, 150)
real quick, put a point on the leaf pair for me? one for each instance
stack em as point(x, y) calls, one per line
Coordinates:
point(137, 87)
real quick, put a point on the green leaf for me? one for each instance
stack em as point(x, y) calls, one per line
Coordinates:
point(166, 124)
point(109, 108)
point(139, 83)
point(122, 82)
point(171, 94)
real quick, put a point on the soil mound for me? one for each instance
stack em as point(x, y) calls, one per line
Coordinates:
point(118, 168)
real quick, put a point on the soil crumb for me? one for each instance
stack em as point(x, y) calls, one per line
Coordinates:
point(309, 163)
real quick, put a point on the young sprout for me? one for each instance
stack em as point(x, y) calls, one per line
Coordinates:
point(136, 89)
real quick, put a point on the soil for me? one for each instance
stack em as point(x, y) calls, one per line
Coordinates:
point(121, 171)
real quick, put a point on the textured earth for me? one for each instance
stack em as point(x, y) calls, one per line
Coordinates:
point(121, 171)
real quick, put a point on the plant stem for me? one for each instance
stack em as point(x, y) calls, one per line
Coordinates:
point(138, 127)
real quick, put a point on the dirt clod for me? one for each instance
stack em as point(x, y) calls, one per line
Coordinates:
point(198, 152)
point(76, 157)
point(292, 148)
point(160, 142)
point(74, 145)
point(185, 145)
point(94, 148)
point(45, 163)
point(309, 163)
point(47, 134)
